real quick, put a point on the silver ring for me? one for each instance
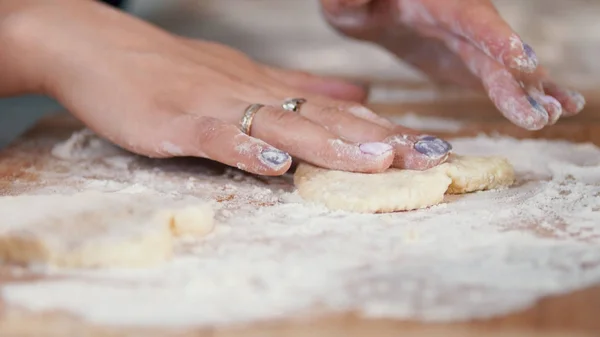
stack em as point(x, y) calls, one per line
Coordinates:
point(293, 104)
point(246, 122)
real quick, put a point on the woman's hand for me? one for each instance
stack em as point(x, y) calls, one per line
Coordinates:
point(464, 42)
point(160, 95)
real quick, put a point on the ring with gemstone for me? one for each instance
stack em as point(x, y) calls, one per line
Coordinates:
point(248, 117)
point(293, 104)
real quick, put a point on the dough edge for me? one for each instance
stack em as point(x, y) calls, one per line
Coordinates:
point(152, 246)
point(459, 175)
point(310, 180)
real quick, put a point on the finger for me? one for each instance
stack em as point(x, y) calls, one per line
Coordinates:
point(418, 152)
point(312, 143)
point(502, 88)
point(327, 86)
point(356, 110)
point(302, 81)
point(476, 21)
point(411, 151)
point(432, 57)
point(207, 137)
point(550, 104)
point(572, 101)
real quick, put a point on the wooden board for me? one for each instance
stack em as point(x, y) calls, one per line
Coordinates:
point(575, 314)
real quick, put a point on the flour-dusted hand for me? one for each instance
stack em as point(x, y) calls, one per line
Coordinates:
point(162, 95)
point(464, 42)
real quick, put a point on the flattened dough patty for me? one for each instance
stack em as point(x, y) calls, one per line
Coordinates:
point(401, 190)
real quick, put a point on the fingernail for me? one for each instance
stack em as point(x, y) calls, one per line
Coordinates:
point(550, 100)
point(554, 106)
point(274, 158)
point(578, 99)
point(530, 54)
point(375, 149)
point(432, 147)
point(536, 105)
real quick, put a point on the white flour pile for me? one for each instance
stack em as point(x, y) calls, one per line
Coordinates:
point(271, 256)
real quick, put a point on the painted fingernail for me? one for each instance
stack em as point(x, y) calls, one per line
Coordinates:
point(530, 54)
point(432, 147)
point(274, 158)
point(537, 106)
point(535, 118)
point(578, 99)
point(375, 149)
point(553, 107)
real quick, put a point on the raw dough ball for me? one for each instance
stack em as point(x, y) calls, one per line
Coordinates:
point(400, 190)
point(93, 229)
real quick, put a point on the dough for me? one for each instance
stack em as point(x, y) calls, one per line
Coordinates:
point(400, 190)
point(93, 229)
point(471, 174)
point(196, 220)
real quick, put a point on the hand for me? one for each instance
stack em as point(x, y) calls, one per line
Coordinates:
point(464, 42)
point(160, 95)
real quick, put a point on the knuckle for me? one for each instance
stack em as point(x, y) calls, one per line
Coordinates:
point(21, 27)
point(206, 131)
point(328, 115)
point(341, 109)
point(189, 131)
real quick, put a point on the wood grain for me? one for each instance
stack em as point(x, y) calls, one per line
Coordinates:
point(575, 314)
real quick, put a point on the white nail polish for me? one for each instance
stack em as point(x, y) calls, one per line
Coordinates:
point(375, 148)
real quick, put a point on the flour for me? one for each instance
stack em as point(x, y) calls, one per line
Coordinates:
point(272, 256)
point(85, 145)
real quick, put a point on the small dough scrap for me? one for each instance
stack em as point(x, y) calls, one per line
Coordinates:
point(401, 190)
point(196, 220)
point(390, 191)
point(94, 229)
point(471, 174)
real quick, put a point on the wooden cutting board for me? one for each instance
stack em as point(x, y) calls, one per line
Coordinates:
point(575, 314)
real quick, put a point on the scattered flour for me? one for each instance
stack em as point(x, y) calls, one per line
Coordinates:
point(272, 256)
point(85, 144)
